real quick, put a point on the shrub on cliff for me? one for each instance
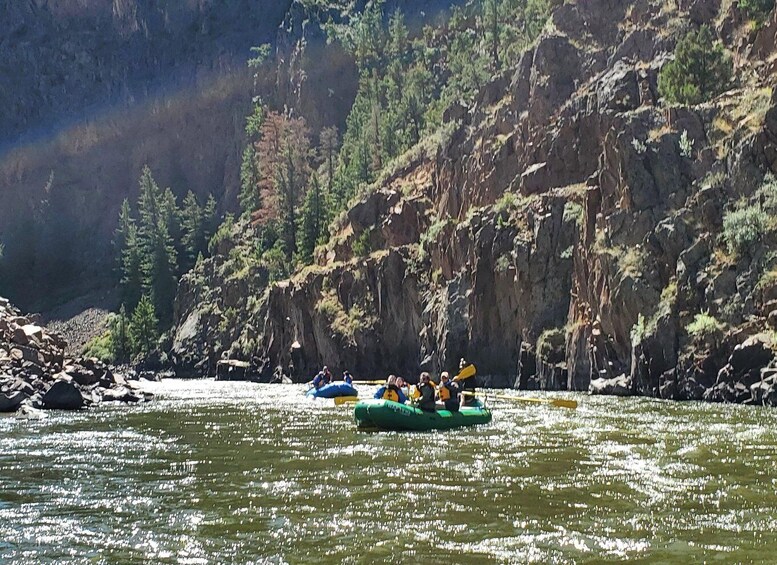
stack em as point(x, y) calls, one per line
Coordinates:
point(704, 327)
point(700, 70)
point(746, 224)
point(757, 10)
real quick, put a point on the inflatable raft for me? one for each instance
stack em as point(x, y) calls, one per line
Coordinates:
point(333, 390)
point(389, 415)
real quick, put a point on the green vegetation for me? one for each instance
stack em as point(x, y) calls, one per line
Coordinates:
point(686, 145)
point(344, 323)
point(125, 337)
point(152, 253)
point(551, 345)
point(573, 212)
point(749, 221)
point(100, 347)
point(700, 70)
point(361, 245)
point(757, 10)
point(704, 327)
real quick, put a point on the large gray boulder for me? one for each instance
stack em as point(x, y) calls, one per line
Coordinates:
point(63, 395)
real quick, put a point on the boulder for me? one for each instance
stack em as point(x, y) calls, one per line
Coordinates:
point(617, 386)
point(63, 395)
point(121, 394)
point(11, 402)
point(754, 353)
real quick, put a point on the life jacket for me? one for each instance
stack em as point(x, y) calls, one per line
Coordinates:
point(390, 394)
point(445, 392)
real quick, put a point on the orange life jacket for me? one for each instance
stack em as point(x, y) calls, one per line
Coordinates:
point(390, 395)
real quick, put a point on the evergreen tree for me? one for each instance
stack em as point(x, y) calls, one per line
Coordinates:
point(312, 219)
point(121, 345)
point(249, 182)
point(120, 235)
point(143, 327)
point(701, 69)
point(210, 220)
point(192, 231)
point(160, 269)
point(131, 267)
point(284, 155)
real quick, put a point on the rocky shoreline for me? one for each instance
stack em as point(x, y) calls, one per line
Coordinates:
point(35, 371)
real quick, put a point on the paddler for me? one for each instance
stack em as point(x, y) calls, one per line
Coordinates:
point(347, 378)
point(324, 377)
point(448, 392)
point(425, 393)
point(390, 391)
point(466, 385)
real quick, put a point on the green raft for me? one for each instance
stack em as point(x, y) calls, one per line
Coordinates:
point(388, 415)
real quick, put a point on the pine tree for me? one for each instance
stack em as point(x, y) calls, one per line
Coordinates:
point(120, 235)
point(131, 267)
point(121, 346)
point(312, 219)
point(143, 327)
point(210, 220)
point(160, 269)
point(700, 70)
point(249, 182)
point(192, 231)
point(284, 154)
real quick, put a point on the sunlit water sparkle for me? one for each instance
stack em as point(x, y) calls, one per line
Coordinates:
point(245, 473)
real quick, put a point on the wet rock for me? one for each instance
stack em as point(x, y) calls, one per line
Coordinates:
point(63, 395)
point(11, 402)
point(617, 386)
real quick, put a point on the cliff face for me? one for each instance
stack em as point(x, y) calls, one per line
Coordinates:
point(565, 232)
point(96, 90)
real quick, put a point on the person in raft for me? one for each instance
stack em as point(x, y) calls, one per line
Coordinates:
point(425, 393)
point(448, 392)
point(324, 377)
point(466, 386)
point(390, 391)
point(347, 377)
point(402, 386)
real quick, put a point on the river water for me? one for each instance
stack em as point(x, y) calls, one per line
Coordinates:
point(217, 472)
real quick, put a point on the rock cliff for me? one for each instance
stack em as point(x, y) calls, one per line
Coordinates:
point(564, 232)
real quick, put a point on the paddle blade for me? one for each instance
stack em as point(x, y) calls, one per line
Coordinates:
point(465, 373)
point(563, 403)
point(340, 400)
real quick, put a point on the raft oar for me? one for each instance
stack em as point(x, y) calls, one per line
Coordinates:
point(560, 402)
point(370, 382)
point(465, 373)
point(339, 400)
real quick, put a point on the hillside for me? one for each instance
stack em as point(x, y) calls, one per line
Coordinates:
point(94, 91)
point(569, 229)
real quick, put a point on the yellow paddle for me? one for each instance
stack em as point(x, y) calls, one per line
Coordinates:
point(369, 382)
point(465, 373)
point(560, 402)
point(340, 400)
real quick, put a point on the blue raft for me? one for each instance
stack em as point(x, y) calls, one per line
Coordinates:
point(333, 390)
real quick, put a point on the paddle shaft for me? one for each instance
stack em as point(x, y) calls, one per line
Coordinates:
point(560, 402)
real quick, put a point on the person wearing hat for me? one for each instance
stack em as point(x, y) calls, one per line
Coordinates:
point(425, 393)
point(448, 392)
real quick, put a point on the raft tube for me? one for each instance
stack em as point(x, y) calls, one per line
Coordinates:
point(333, 390)
point(392, 416)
